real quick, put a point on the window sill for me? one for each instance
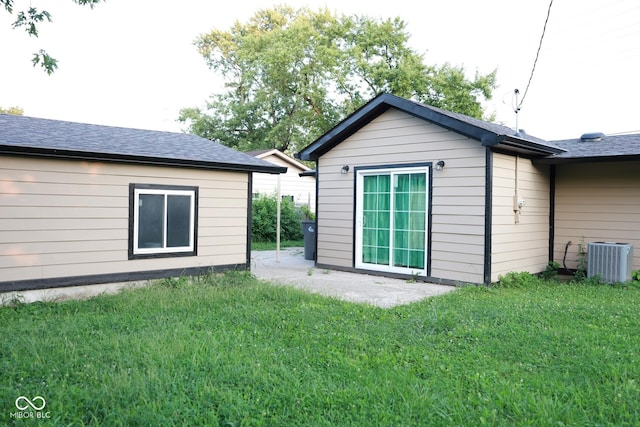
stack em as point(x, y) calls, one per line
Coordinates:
point(162, 255)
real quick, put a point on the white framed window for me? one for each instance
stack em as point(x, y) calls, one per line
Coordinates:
point(162, 221)
point(392, 217)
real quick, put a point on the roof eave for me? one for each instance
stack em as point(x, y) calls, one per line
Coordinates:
point(520, 146)
point(279, 154)
point(342, 131)
point(142, 160)
point(373, 109)
point(383, 102)
point(551, 160)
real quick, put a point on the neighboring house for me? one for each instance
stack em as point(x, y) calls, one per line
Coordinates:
point(298, 184)
point(411, 190)
point(87, 204)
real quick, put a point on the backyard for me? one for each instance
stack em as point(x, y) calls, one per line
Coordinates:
point(231, 350)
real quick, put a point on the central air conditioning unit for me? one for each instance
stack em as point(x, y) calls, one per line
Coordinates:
point(613, 262)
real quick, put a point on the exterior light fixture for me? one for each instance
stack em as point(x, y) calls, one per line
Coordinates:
point(440, 165)
point(344, 170)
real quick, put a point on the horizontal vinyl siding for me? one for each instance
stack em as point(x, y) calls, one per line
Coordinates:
point(596, 202)
point(522, 246)
point(396, 138)
point(335, 218)
point(302, 188)
point(62, 218)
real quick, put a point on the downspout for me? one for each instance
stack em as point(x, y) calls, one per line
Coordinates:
point(315, 250)
point(488, 208)
point(249, 217)
point(516, 199)
point(354, 220)
point(278, 215)
point(552, 210)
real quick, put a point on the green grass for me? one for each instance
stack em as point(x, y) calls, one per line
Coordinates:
point(271, 246)
point(231, 351)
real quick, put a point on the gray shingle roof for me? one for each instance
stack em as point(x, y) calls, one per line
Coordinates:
point(613, 147)
point(54, 138)
point(490, 126)
point(255, 153)
point(488, 134)
point(618, 147)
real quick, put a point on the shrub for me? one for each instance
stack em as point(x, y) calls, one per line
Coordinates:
point(306, 212)
point(589, 281)
point(581, 272)
point(551, 271)
point(264, 221)
point(518, 280)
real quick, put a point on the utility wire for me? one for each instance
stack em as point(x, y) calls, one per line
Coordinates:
point(544, 29)
point(628, 132)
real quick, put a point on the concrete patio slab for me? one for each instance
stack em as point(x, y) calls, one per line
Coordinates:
point(292, 269)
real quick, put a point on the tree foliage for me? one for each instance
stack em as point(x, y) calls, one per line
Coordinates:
point(29, 20)
point(291, 75)
point(16, 111)
point(264, 219)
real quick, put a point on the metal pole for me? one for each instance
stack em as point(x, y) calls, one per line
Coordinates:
point(278, 203)
point(517, 110)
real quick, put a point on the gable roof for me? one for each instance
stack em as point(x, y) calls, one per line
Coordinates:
point(489, 134)
point(22, 135)
point(264, 154)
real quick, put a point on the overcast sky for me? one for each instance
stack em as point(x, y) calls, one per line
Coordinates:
point(132, 63)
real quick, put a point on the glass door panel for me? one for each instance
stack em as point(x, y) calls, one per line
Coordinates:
point(393, 212)
point(409, 220)
point(376, 219)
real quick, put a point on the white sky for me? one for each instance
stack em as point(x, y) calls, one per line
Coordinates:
point(132, 63)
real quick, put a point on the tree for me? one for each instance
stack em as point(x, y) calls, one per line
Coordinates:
point(29, 21)
point(16, 111)
point(263, 219)
point(291, 75)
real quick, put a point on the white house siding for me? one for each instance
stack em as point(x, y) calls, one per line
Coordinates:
point(596, 202)
point(519, 244)
point(62, 218)
point(458, 191)
point(302, 188)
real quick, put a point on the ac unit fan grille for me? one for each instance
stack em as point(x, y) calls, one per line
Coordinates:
point(612, 262)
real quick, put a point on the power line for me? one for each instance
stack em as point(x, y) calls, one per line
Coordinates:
point(544, 29)
point(628, 132)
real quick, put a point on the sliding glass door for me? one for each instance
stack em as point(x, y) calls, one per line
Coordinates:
point(391, 219)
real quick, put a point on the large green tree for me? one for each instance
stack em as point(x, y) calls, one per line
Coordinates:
point(29, 20)
point(291, 75)
point(16, 111)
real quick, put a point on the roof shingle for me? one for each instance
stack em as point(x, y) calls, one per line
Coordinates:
point(22, 134)
point(612, 147)
point(487, 133)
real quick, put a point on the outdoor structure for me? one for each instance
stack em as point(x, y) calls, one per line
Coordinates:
point(298, 184)
point(412, 190)
point(86, 204)
point(596, 194)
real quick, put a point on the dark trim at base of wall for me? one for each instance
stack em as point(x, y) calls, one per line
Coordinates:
point(97, 279)
point(428, 279)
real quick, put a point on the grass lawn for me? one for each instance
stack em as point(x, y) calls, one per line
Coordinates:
point(271, 246)
point(232, 351)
